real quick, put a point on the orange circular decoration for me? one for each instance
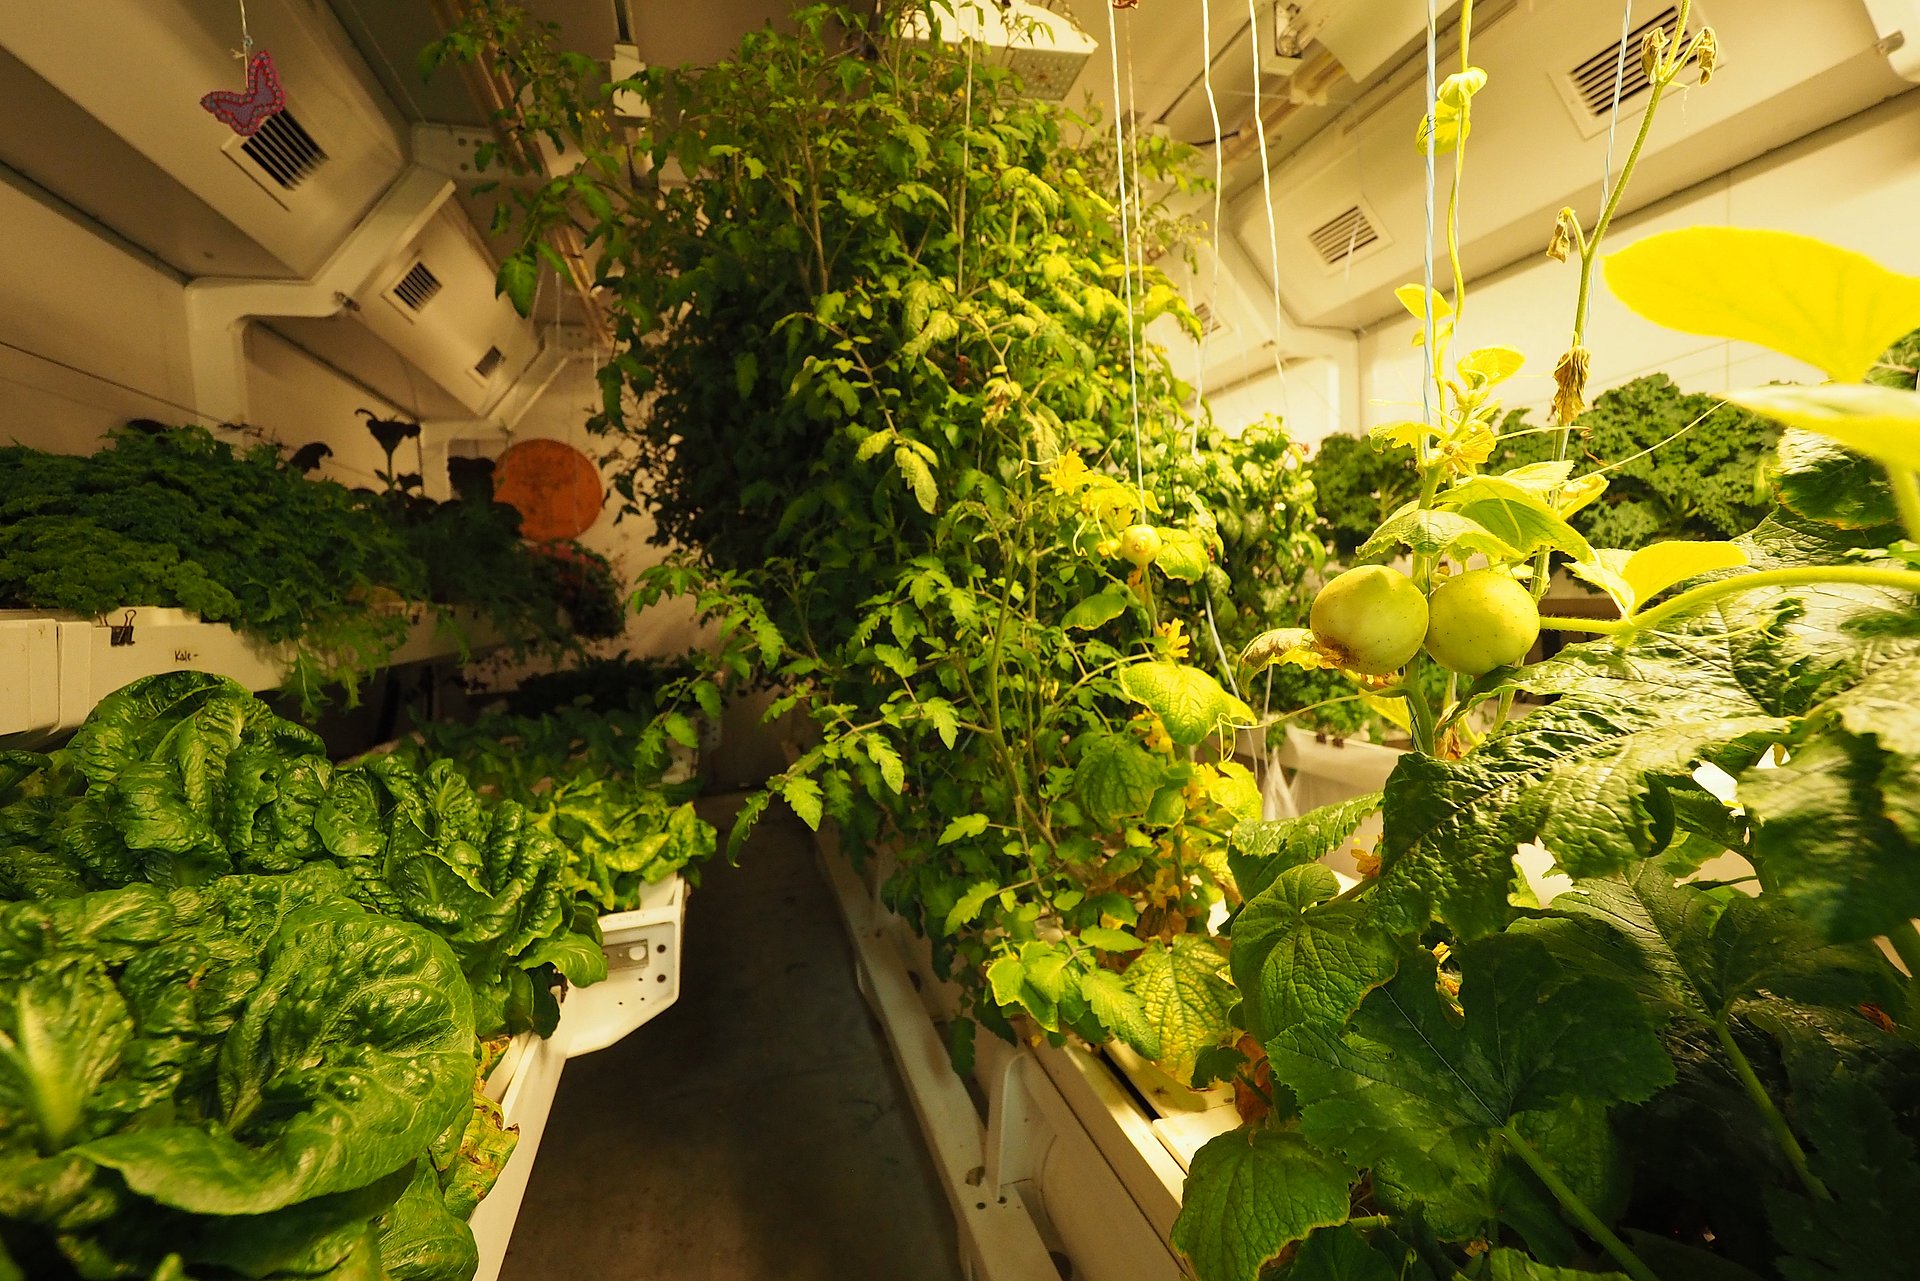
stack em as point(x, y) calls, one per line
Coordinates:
point(554, 486)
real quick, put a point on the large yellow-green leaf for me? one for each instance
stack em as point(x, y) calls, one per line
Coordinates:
point(1189, 702)
point(1653, 569)
point(1830, 307)
point(1881, 422)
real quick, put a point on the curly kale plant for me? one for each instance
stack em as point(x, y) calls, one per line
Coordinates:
point(173, 517)
point(1679, 465)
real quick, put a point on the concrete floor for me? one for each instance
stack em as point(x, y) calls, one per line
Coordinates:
point(756, 1130)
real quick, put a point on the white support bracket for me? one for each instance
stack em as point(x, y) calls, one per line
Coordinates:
point(1898, 22)
point(218, 310)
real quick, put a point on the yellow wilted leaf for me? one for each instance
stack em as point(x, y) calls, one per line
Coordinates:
point(1830, 307)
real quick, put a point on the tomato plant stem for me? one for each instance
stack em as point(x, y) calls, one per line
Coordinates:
point(1905, 580)
point(1570, 1202)
point(1789, 1145)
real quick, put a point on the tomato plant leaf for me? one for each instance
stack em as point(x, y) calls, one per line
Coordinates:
point(919, 478)
point(1185, 995)
point(963, 827)
point(969, 905)
point(1098, 609)
point(1250, 1194)
point(1120, 1009)
point(1408, 1085)
point(803, 797)
point(1300, 960)
point(1110, 940)
point(1189, 702)
point(1830, 307)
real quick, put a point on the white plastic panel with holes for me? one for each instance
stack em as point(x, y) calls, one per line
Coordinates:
point(643, 971)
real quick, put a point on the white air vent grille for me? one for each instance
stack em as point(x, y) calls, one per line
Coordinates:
point(284, 151)
point(418, 287)
point(488, 365)
point(1343, 237)
point(1209, 322)
point(1593, 79)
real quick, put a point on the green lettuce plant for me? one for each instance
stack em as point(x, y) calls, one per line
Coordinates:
point(591, 781)
point(179, 779)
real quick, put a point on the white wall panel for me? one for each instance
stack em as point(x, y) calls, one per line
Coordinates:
point(1856, 184)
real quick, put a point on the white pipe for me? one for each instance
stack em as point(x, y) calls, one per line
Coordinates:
point(219, 310)
point(1898, 22)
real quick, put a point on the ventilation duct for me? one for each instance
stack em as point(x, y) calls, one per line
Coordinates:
point(417, 288)
point(1043, 48)
point(1346, 235)
point(283, 150)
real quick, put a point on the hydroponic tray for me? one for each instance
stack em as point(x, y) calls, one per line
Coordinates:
point(643, 978)
point(55, 667)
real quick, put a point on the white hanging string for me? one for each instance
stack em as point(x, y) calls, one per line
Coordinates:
point(1433, 133)
point(1619, 82)
point(1219, 195)
point(1266, 188)
point(1213, 300)
point(1126, 255)
point(246, 36)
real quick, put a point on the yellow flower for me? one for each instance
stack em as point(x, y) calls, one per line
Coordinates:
point(1068, 475)
point(1174, 633)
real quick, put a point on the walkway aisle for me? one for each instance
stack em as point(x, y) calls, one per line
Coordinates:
point(756, 1130)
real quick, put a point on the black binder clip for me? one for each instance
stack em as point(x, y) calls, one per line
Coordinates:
point(121, 633)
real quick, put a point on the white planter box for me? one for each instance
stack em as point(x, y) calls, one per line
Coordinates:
point(643, 971)
point(1063, 1159)
point(643, 978)
point(523, 1083)
point(55, 668)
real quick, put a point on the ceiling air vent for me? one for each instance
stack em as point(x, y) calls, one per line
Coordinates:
point(284, 151)
point(488, 365)
point(1593, 79)
point(1343, 237)
point(1209, 322)
point(417, 288)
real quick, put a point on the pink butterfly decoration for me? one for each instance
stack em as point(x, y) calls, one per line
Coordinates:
point(246, 112)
